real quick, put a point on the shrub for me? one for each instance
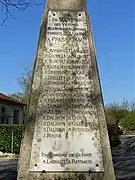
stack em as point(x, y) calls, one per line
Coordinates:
point(114, 134)
point(128, 122)
point(6, 132)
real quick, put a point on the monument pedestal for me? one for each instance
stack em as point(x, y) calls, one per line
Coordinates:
point(65, 133)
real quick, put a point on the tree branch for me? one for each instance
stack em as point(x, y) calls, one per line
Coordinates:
point(21, 5)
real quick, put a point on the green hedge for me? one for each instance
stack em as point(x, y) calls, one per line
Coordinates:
point(6, 137)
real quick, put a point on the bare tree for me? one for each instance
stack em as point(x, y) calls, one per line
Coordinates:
point(6, 6)
point(25, 80)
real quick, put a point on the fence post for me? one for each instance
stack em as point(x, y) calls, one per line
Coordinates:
point(12, 143)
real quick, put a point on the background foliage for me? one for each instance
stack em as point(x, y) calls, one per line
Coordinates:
point(122, 114)
point(6, 138)
point(120, 120)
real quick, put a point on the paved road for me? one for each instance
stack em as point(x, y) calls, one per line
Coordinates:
point(123, 158)
point(8, 169)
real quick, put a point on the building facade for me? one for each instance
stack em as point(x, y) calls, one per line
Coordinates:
point(11, 110)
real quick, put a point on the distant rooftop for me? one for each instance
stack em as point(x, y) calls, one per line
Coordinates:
point(9, 99)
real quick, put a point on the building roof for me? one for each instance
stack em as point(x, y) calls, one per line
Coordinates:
point(9, 99)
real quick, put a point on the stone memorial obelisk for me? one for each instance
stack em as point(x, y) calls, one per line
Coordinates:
point(65, 135)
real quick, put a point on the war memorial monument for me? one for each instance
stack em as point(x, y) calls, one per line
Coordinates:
point(65, 135)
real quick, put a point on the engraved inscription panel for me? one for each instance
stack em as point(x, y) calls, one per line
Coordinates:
point(67, 136)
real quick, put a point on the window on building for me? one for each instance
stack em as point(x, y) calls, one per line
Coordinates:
point(16, 116)
point(3, 115)
point(3, 110)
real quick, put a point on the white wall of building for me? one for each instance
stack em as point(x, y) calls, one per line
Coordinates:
point(10, 112)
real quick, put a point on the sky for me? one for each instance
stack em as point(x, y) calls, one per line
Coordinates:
point(113, 26)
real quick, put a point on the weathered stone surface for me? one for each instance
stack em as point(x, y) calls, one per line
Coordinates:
point(66, 117)
point(66, 5)
point(66, 113)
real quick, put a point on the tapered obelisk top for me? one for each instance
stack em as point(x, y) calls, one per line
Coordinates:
point(66, 4)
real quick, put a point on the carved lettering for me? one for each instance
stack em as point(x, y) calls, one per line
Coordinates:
point(66, 117)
